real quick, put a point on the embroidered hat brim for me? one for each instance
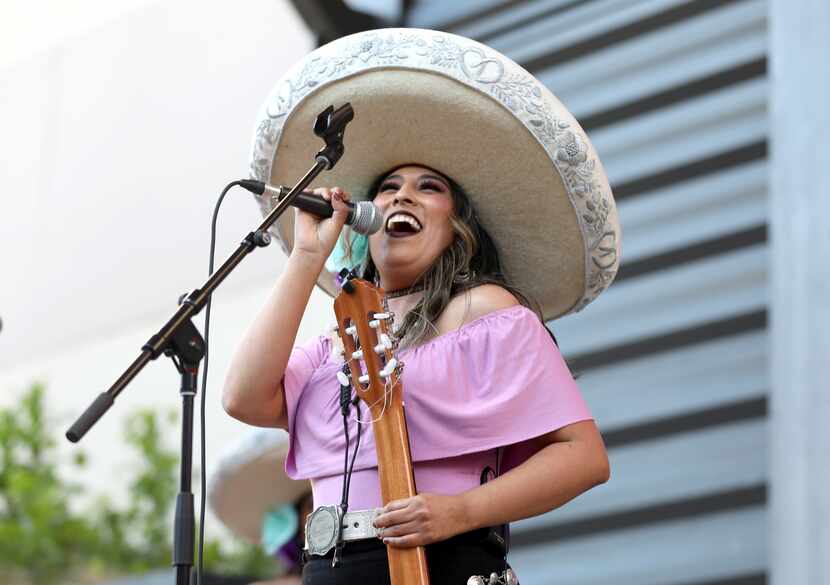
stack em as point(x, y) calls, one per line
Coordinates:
point(249, 481)
point(457, 106)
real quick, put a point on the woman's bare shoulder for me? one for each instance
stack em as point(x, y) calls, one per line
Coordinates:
point(473, 304)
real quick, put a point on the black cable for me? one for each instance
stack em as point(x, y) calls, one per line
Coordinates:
point(356, 449)
point(348, 468)
point(345, 401)
point(199, 567)
point(344, 494)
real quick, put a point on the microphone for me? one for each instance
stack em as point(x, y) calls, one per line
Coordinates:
point(364, 217)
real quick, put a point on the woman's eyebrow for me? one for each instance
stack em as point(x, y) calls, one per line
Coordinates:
point(436, 177)
point(424, 176)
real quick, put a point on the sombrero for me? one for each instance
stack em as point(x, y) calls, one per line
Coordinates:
point(249, 482)
point(460, 107)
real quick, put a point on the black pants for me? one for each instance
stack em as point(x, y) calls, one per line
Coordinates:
point(451, 562)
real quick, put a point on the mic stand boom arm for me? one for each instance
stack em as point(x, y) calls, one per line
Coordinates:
point(180, 339)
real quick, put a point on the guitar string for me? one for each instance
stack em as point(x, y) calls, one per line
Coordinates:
point(387, 393)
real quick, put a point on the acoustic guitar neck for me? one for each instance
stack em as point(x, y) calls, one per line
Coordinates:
point(364, 327)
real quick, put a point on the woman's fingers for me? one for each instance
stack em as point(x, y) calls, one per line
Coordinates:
point(335, 195)
point(339, 198)
point(393, 518)
point(401, 524)
point(398, 504)
point(324, 192)
point(318, 235)
point(421, 519)
point(400, 529)
point(407, 541)
point(332, 193)
point(394, 512)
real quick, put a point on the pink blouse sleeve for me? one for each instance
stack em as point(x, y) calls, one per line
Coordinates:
point(302, 363)
point(500, 381)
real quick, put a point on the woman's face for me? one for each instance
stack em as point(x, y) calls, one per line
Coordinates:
point(417, 205)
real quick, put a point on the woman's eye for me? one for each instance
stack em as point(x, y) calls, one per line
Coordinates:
point(388, 187)
point(430, 186)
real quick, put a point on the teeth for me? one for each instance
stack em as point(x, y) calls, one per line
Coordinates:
point(403, 218)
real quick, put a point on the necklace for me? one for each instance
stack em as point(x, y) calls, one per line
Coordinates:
point(404, 291)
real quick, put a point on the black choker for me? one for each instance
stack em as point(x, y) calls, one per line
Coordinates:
point(404, 292)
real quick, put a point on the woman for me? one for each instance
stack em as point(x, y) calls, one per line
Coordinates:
point(485, 387)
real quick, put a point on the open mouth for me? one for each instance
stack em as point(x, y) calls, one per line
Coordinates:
point(402, 225)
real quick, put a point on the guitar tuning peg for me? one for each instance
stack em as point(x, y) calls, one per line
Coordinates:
point(351, 330)
point(343, 379)
point(389, 369)
point(475, 580)
point(384, 316)
point(364, 379)
point(358, 354)
point(385, 343)
point(374, 323)
point(494, 579)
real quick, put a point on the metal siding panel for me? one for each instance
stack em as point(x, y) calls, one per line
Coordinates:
point(437, 13)
point(693, 211)
point(718, 373)
point(513, 17)
point(695, 550)
point(657, 303)
point(713, 42)
point(670, 470)
point(687, 131)
point(585, 21)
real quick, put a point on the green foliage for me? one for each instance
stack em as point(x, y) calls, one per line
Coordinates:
point(45, 536)
point(39, 534)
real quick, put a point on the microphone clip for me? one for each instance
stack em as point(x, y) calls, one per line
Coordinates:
point(330, 126)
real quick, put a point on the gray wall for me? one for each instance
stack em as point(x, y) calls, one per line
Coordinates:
point(674, 356)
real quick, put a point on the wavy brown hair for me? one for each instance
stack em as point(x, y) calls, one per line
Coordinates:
point(471, 260)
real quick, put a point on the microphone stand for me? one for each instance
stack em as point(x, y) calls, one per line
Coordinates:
point(181, 341)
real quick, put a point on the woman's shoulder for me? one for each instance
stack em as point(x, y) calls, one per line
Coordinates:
point(474, 304)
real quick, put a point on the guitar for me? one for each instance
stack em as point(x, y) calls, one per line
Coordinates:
point(364, 327)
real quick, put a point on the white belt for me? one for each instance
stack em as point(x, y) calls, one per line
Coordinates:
point(321, 527)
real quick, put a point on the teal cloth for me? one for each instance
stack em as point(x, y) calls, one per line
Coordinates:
point(339, 259)
point(279, 525)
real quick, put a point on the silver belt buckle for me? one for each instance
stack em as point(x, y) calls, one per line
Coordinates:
point(321, 529)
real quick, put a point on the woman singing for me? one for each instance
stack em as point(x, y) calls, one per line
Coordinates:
point(497, 216)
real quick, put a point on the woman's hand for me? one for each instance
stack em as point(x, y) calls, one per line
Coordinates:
point(315, 236)
point(421, 520)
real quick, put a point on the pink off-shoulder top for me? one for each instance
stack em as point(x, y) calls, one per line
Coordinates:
point(498, 381)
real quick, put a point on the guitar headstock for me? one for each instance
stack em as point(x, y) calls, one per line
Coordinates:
point(364, 327)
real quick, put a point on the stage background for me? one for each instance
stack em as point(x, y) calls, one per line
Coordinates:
point(705, 363)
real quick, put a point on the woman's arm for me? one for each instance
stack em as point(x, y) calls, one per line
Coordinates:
point(571, 461)
point(253, 391)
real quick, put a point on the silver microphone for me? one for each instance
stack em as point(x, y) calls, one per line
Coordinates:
point(364, 217)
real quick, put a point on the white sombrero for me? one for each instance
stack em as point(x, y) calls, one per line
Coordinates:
point(250, 481)
point(464, 109)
